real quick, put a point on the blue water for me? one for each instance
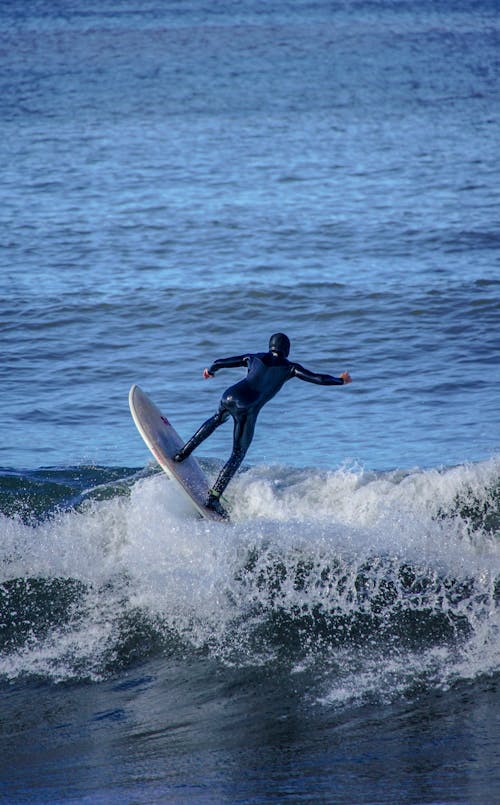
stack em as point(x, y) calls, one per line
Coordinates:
point(180, 180)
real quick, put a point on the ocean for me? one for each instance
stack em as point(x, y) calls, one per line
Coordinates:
point(180, 180)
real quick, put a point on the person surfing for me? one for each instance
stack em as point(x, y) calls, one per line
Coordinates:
point(267, 373)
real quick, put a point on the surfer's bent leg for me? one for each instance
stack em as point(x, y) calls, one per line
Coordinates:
point(244, 427)
point(202, 433)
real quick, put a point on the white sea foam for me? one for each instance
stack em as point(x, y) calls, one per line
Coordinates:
point(322, 550)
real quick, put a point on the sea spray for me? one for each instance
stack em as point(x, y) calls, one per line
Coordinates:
point(367, 571)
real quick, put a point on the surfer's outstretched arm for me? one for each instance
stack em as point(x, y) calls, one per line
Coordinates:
point(225, 363)
point(319, 378)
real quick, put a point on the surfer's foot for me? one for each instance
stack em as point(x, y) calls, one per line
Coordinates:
point(179, 457)
point(213, 502)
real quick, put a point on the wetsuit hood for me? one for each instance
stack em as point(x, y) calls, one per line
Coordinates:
point(280, 343)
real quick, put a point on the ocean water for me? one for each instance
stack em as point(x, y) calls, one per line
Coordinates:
point(180, 180)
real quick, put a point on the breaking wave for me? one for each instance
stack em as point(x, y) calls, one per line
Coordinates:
point(373, 585)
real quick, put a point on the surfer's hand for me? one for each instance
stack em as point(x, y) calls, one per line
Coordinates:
point(207, 374)
point(346, 377)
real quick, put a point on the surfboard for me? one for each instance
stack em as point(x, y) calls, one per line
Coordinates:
point(164, 442)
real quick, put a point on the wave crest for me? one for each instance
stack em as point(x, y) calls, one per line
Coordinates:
point(329, 574)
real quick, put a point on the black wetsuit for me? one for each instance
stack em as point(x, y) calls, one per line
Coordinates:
point(267, 373)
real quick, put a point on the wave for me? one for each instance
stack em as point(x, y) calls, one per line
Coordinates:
point(372, 584)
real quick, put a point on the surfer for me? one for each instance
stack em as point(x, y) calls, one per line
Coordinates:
point(267, 373)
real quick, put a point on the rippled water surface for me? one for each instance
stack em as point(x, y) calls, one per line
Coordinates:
point(180, 180)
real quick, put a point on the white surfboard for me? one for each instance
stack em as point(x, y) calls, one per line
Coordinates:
point(164, 442)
